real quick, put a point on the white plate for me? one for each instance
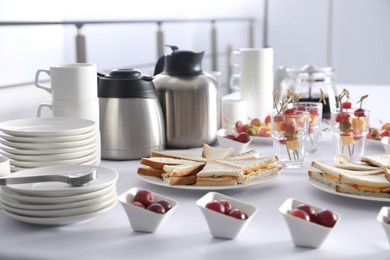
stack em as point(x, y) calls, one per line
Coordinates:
point(27, 164)
point(262, 140)
point(45, 152)
point(38, 200)
point(61, 212)
point(58, 221)
point(48, 146)
point(323, 187)
point(48, 126)
point(47, 139)
point(48, 157)
point(158, 181)
point(9, 201)
point(104, 178)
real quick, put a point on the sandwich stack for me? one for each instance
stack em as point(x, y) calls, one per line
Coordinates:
point(215, 167)
point(371, 178)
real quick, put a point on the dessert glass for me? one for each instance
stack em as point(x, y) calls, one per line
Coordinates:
point(349, 131)
point(314, 126)
point(289, 133)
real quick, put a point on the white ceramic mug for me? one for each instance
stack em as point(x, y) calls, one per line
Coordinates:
point(70, 81)
point(232, 111)
point(255, 79)
point(5, 168)
point(87, 109)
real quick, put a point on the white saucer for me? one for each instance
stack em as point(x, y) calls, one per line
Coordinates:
point(48, 139)
point(45, 152)
point(58, 221)
point(35, 164)
point(38, 200)
point(104, 178)
point(48, 157)
point(48, 126)
point(62, 212)
point(47, 146)
point(11, 202)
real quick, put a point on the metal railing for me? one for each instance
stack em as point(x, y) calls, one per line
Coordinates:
point(80, 38)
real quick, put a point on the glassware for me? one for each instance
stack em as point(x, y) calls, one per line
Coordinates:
point(350, 127)
point(289, 133)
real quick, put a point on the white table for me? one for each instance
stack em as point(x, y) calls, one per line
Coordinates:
point(186, 235)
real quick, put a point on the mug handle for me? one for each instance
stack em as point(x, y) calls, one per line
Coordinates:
point(41, 106)
point(37, 79)
point(234, 78)
point(233, 56)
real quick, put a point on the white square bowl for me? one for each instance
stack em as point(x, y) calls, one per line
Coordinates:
point(221, 225)
point(304, 233)
point(383, 213)
point(386, 144)
point(143, 220)
point(226, 142)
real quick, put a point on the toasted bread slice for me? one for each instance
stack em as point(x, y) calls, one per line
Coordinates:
point(178, 154)
point(182, 180)
point(351, 189)
point(160, 162)
point(251, 154)
point(380, 160)
point(210, 152)
point(183, 169)
point(216, 181)
point(149, 171)
point(343, 162)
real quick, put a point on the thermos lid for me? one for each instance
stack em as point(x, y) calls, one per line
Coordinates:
point(126, 83)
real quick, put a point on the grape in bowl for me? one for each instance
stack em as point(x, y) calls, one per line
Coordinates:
point(146, 211)
point(309, 225)
point(225, 140)
point(225, 222)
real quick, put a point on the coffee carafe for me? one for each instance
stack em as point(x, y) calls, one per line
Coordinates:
point(189, 98)
point(308, 81)
point(131, 121)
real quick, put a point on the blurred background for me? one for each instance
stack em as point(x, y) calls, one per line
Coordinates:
point(352, 36)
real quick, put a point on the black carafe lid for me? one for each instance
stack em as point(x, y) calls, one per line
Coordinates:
point(180, 63)
point(126, 83)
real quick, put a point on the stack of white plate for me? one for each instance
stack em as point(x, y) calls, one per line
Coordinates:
point(38, 142)
point(57, 203)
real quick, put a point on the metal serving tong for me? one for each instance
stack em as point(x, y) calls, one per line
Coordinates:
point(73, 179)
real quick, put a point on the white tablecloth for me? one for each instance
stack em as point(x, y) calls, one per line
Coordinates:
point(186, 235)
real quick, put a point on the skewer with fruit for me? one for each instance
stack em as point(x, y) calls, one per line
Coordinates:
point(352, 126)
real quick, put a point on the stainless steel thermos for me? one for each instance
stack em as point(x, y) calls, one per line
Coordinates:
point(189, 98)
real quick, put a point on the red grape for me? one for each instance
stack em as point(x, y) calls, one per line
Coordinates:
point(288, 127)
point(240, 127)
point(326, 218)
point(145, 197)
point(227, 205)
point(243, 138)
point(255, 122)
point(216, 206)
point(309, 210)
point(342, 117)
point(138, 204)
point(156, 207)
point(300, 214)
point(359, 112)
point(238, 214)
point(278, 118)
point(314, 111)
point(267, 119)
point(167, 206)
point(231, 137)
point(346, 105)
point(290, 111)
